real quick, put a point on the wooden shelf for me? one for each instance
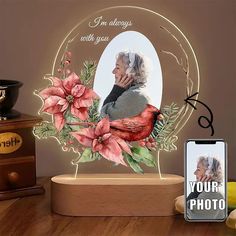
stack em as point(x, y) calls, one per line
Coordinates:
point(32, 216)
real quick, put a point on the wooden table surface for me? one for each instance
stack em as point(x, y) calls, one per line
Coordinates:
point(32, 216)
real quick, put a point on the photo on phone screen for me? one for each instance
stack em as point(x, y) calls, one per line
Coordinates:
point(205, 180)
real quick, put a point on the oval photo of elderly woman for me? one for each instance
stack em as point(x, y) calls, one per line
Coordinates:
point(128, 76)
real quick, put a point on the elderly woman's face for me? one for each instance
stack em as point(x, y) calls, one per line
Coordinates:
point(119, 70)
point(200, 171)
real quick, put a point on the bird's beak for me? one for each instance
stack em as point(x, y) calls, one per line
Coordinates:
point(160, 117)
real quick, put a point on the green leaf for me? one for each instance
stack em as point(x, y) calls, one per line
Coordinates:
point(87, 156)
point(133, 164)
point(97, 155)
point(94, 115)
point(163, 131)
point(88, 72)
point(64, 135)
point(142, 154)
point(44, 130)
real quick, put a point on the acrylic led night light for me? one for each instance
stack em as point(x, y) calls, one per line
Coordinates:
point(72, 102)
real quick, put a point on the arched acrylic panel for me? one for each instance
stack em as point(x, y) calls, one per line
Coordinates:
point(83, 66)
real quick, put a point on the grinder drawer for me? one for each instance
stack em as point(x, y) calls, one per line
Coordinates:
point(17, 172)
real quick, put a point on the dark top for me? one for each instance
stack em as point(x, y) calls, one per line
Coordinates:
point(114, 94)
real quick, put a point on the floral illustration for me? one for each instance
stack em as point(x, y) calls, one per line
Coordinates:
point(76, 123)
point(67, 94)
point(101, 140)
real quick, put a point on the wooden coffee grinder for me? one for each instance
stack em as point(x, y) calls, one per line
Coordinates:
point(17, 147)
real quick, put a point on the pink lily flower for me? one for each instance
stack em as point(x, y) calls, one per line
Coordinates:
point(67, 94)
point(101, 140)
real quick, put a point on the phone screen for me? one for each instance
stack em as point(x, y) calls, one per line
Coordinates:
point(205, 180)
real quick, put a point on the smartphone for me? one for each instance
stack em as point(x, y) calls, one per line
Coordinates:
point(205, 180)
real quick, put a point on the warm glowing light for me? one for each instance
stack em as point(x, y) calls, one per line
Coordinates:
point(65, 43)
point(147, 10)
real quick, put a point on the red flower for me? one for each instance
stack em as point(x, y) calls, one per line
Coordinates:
point(67, 94)
point(101, 140)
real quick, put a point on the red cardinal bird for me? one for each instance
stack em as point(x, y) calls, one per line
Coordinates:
point(136, 127)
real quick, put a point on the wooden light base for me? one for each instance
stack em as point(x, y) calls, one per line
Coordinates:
point(115, 194)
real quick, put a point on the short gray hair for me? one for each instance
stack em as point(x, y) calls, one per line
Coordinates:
point(139, 68)
point(215, 169)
